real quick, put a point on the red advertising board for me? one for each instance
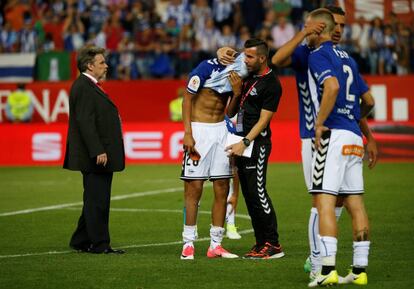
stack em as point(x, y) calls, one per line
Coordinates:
point(148, 100)
point(42, 144)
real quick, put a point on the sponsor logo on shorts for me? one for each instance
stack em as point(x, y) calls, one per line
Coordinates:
point(356, 150)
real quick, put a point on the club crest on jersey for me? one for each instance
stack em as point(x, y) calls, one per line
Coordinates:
point(253, 92)
point(194, 83)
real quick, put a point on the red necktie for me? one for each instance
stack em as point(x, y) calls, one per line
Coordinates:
point(100, 86)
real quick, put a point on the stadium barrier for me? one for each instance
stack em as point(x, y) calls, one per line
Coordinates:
point(44, 144)
point(148, 100)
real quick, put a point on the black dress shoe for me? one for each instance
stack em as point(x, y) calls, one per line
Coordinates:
point(113, 251)
point(81, 249)
point(106, 251)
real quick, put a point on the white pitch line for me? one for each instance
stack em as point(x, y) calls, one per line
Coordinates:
point(115, 198)
point(242, 216)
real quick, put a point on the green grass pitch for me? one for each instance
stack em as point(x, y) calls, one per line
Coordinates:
point(146, 220)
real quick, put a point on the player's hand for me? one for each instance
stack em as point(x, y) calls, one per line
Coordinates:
point(102, 159)
point(236, 83)
point(372, 153)
point(236, 149)
point(319, 130)
point(225, 55)
point(314, 28)
point(189, 146)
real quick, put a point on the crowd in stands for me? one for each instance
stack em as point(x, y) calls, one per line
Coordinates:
point(167, 38)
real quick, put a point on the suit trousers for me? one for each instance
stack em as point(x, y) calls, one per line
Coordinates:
point(93, 224)
point(252, 173)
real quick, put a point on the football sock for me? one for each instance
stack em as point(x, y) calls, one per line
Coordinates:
point(313, 231)
point(189, 234)
point(216, 234)
point(328, 250)
point(361, 252)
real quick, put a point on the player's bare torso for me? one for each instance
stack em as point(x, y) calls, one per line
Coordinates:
point(208, 106)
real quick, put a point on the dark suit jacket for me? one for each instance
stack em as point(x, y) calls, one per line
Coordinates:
point(94, 128)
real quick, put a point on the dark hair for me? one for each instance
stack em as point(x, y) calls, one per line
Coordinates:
point(87, 55)
point(336, 10)
point(262, 47)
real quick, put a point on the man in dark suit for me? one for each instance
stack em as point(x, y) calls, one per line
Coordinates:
point(94, 147)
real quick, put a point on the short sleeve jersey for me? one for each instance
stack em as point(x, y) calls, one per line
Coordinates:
point(211, 74)
point(259, 92)
point(306, 110)
point(328, 61)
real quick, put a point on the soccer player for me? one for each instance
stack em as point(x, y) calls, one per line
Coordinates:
point(205, 132)
point(336, 87)
point(295, 54)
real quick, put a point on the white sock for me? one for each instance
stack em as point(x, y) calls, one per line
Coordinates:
point(338, 212)
point(328, 250)
point(230, 211)
point(314, 246)
point(189, 234)
point(230, 218)
point(216, 234)
point(361, 252)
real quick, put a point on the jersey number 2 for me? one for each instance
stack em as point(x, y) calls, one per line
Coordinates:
point(349, 80)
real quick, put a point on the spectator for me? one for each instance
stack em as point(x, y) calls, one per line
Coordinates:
point(126, 59)
point(180, 11)
point(27, 37)
point(200, 12)
point(98, 16)
point(253, 20)
point(376, 44)
point(14, 12)
point(19, 106)
point(403, 35)
point(388, 57)
point(54, 26)
point(73, 30)
point(144, 46)
point(162, 66)
point(244, 34)
point(227, 37)
point(282, 32)
point(113, 31)
point(207, 40)
point(282, 8)
point(185, 48)
point(223, 12)
point(8, 39)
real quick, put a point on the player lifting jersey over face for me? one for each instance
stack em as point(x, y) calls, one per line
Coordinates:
point(205, 100)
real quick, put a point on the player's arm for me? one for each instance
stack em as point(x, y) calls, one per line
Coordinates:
point(261, 124)
point(330, 92)
point(188, 141)
point(236, 85)
point(367, 105)
point(283, 56)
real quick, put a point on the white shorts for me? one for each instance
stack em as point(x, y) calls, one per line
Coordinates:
point(307, 151)
point(337, 165)
point(210, 140)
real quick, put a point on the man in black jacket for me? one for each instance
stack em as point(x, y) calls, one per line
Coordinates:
point(94, 147)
